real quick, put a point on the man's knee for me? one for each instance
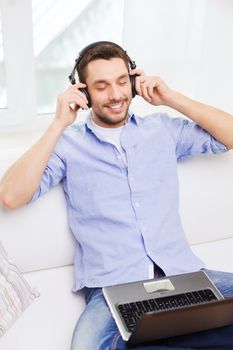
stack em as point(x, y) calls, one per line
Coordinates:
point(222, 280)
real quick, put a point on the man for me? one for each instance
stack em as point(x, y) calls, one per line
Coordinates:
point(119, 176)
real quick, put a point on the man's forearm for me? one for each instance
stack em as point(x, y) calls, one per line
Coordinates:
point(216, 122)
point(22, 179)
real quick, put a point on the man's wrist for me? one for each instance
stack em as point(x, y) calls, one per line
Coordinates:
point(57, 126)
point(178, 101)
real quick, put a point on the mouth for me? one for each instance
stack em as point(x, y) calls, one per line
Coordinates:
point(116, 107)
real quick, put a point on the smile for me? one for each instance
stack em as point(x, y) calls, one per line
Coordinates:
point(115, 105)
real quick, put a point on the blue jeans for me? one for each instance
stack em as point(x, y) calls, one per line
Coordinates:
point(96, 329)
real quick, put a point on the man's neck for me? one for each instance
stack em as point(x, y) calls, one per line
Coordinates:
point(103, 123)
point(103, 129)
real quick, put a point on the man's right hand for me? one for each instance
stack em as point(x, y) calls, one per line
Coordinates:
point(68, 104)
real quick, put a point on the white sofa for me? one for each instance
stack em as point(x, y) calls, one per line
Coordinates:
point(38, 239)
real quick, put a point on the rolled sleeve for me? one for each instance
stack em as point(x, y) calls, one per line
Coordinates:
point(53, 174)
point(192, 140)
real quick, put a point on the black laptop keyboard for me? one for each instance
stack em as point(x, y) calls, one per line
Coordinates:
point(132, 312)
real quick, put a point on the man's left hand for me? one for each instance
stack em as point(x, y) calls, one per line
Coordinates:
point(153, 90)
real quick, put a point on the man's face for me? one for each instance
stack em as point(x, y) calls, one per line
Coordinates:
point(109, 86)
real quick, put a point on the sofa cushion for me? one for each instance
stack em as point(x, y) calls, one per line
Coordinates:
point(217, 255)
point(15, 293)
point(37, 235)
point(206, 197)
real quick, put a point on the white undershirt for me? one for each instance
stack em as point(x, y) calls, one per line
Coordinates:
point(111, 135)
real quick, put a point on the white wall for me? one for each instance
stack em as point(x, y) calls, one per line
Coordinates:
point(216, 66)
point(186, 42)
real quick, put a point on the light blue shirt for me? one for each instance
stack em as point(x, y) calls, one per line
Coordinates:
point(125, 217)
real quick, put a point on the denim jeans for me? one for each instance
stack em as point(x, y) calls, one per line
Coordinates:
point(96, 329)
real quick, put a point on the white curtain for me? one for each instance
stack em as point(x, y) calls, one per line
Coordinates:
point(188, 43)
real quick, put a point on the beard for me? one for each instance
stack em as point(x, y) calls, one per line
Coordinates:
point(109, 116)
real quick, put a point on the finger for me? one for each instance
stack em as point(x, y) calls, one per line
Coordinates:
point(74, 92)
point(83, 101)
point(79, 102)
point(77, 99)
point(80, 85)
point(145, 95)
point(74, 107)
point(138, 86)
point(137, 71)
point(150, 90)
point(76, 86)
point(82, 95)
point(152, 86)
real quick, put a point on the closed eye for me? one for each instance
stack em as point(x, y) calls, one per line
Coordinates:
point(100, 88)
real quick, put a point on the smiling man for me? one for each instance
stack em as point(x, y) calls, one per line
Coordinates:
point(119, 175)
point(111, 95)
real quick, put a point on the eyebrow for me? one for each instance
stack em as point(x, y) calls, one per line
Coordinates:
point(102, 81)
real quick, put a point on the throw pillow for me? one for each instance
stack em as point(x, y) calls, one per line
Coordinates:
point(15, 293)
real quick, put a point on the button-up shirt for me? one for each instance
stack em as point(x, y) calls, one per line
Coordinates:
point(125, 217)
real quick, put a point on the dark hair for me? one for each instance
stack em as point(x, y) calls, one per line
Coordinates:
point(104, 51)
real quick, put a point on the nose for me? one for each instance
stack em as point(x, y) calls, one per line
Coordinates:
point(114, 92)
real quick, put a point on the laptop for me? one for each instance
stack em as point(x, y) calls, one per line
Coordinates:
point(160, 308)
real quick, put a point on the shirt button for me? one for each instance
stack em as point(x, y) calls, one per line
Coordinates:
point(131, 178)
point(119, 157)
point(144, 228)
point(136, 204)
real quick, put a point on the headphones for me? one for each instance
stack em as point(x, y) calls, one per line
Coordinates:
point(84, 52)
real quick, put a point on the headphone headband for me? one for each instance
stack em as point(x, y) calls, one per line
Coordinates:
point(90, 46)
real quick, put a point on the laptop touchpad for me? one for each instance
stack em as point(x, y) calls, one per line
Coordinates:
point(158, 286)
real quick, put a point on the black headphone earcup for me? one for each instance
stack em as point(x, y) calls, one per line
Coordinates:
point(85, 92)
point(133, 84)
